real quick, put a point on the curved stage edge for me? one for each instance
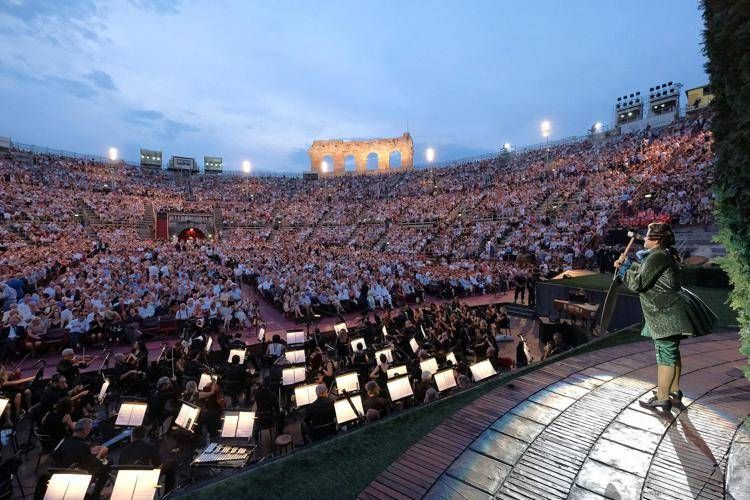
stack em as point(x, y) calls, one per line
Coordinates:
point(574, 429)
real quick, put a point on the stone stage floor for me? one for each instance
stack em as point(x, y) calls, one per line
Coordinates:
point(574, 429)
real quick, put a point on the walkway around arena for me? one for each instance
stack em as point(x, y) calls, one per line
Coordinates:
point(574, 429)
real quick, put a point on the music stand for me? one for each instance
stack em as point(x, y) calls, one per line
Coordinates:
point(294, 337)
point(205, 380)
point(187, 416)
point(429, 364)
point(135, 484)
point(3, 404)
point(348, 382)
point(238, 424)
point(358, 344)
point(414, 345)
point(482, 370)
point(399, 388)
point(102, 394)
point(452, 358)
point(209, 343)
point(68, 485)
point(131, 413)
point(305, 394)
point(292, 375)
point(237, 352)
point(295, 357)
point(344, 411)
point(388, 351)
point(261, 334)
point(445, 379)
point(395, 371)
point(337, 327)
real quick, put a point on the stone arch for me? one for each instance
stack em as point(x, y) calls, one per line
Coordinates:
point(394, 159)
point(373, 160)
point(350, 163)
point(339, 151)
point(326, 164)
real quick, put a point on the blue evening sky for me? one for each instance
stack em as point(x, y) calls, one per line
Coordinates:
point(260, 80)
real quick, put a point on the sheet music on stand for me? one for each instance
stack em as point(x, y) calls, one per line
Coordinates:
point(452, 358)
point(67, 486)
point(445, 379)
point(482, 370)
point(295, 357)
point(424, 335)
point(348, 382)
point(294, 337)
point(205, 380)
point(345, 412)
point(3, 404)
point(399, 388)
point(388, 351)
point(358, 344)
point(385, 331)
point(414, 345)
point(209, 343)
point(337, 327)
point(135, 484)
point(187, 416)
point(429, 364)
point(102, 393)
point(238, 424)
point(261, 334)
point(131, 414)
point(292, 375)
point(395, 371)
point(237, 352)
point(305, 394)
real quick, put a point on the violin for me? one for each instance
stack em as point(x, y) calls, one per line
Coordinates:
point(15, 372)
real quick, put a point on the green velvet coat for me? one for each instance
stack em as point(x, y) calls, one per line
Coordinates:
point(668, 308)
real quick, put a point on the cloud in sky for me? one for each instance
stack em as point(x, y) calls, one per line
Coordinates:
point(262, 80)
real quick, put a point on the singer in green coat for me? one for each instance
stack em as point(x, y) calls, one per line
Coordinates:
point(670, 311)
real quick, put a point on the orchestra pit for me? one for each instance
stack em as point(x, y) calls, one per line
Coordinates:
point(379, 325)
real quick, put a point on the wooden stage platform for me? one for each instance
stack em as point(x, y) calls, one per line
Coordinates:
point(574, 429)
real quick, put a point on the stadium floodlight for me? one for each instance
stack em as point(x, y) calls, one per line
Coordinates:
point(324, 166)
point(598, 126)
point(545, 126)
point(246, 166)
point(112, 154)
point(430, 155)
point(506, 146)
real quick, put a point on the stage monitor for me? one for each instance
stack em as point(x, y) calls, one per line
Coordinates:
point(305, 394)
point(187, 416)
point(151, 158)
point(348, 382)
point(414, 345)
point(294, 337)
point(395, 371)
point(293, 375)
point(237, 352)
point(399, 388)
point(135, 484)
point(358, 344)
point(213, 165)
point(131, 414)
point(67, 486)
point(295, 357)
point(238, 424)
point(205, 380)
point(430, 365)
point(344, 411)
point(482, 370)
point(388, 351)
point(445, 379)
point(337, 327)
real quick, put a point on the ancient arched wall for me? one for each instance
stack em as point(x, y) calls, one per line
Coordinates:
point(340, 149)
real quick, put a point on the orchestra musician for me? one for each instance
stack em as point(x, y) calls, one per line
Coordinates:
point(57, 389)
point(12, 386)
point(69, 366)
point(140, 452)
point(75, 452)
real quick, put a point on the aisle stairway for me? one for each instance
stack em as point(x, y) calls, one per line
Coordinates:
point(147, 224)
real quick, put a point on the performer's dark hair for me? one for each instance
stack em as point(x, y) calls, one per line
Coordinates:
point(662, 232)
